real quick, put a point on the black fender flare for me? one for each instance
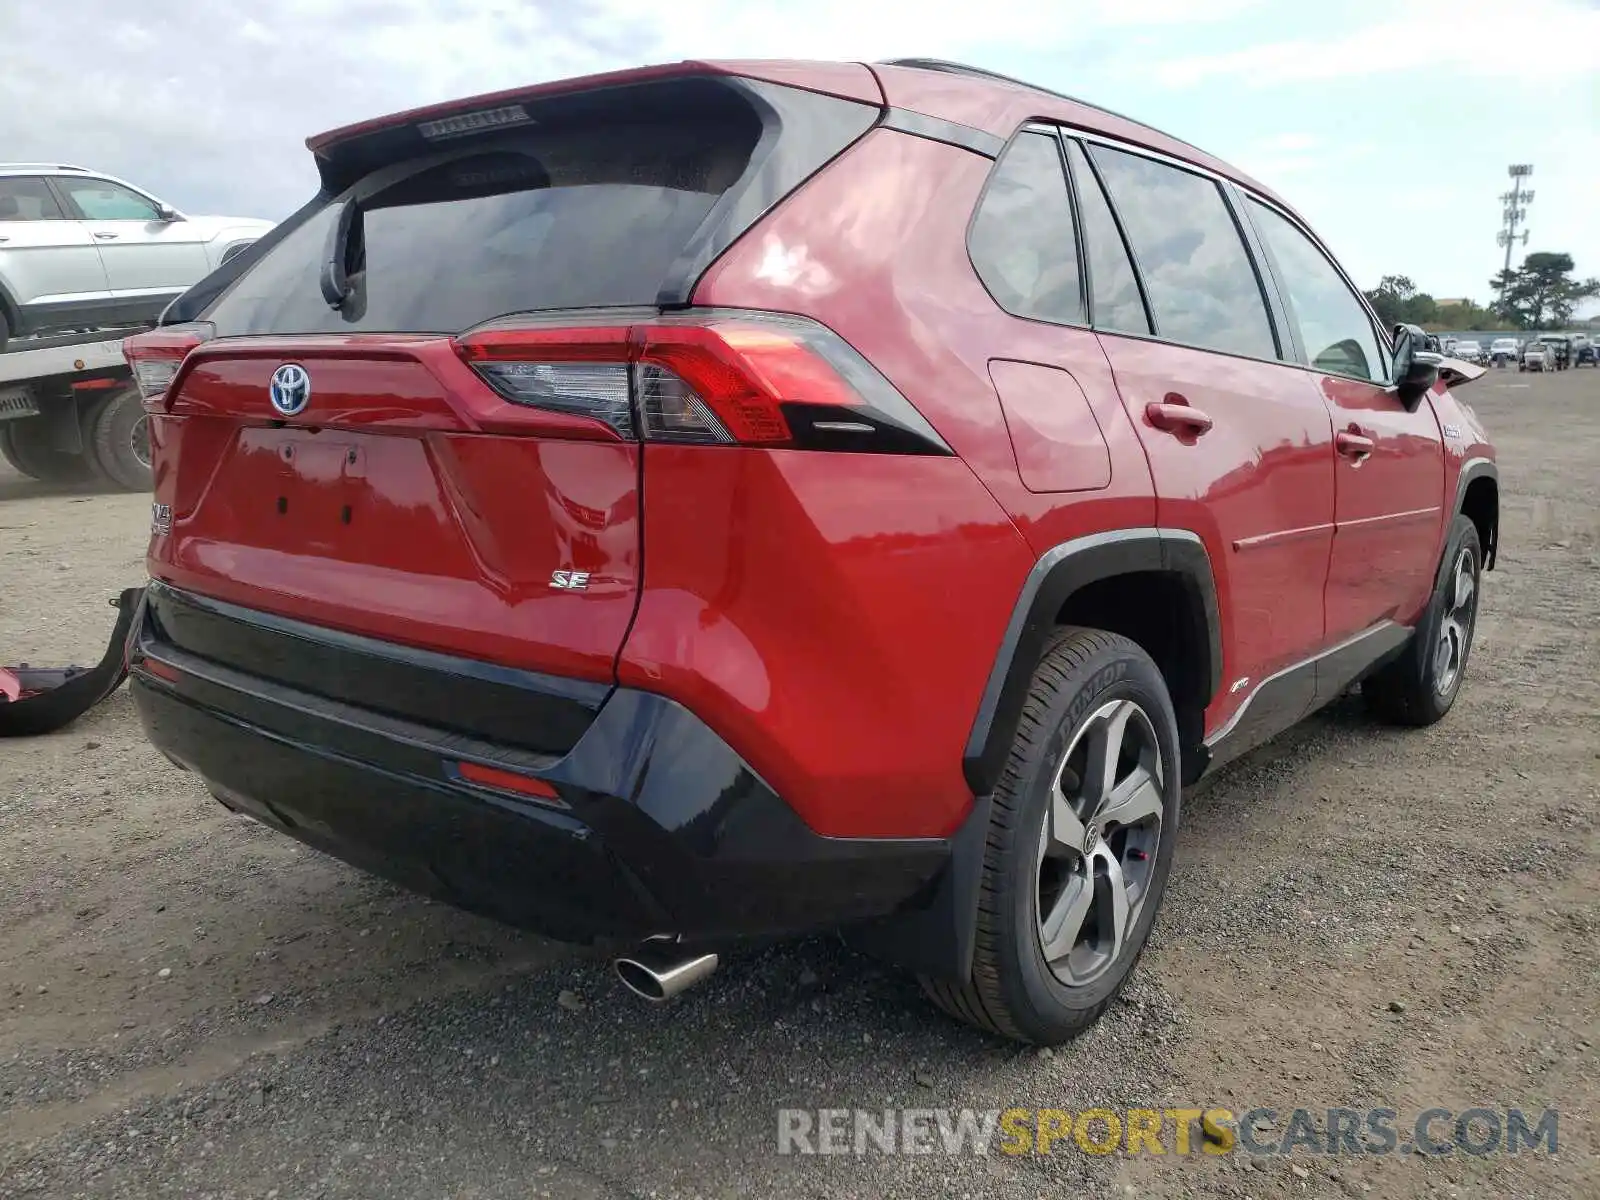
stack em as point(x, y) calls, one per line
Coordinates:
point(936, 937)
point(1480, 468)
point(1059, 572)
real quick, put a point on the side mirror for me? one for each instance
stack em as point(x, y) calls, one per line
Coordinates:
point(166, 212)
point(1416, 368)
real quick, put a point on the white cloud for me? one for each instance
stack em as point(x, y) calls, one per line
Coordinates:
point(1433, 41)
point(208, 103)
point(859, 29)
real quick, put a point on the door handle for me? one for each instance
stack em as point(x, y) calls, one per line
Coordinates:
point(1352, 444)
point(105, 237)
point(1177, 418)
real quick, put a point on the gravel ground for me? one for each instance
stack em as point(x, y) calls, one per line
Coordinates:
point(191, 1005)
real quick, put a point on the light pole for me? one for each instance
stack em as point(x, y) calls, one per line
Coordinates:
point(1514, 214)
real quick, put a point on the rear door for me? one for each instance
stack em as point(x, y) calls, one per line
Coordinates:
point(1239, 448)
point(47, 262)
point(143, 254)
point(1389, 472)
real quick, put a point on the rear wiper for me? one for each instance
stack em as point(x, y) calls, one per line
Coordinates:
point(336, 285)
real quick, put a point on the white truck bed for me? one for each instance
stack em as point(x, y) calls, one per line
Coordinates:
point(46, 358)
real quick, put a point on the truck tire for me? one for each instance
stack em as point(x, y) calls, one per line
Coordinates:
point(23, 445)
point(117, 430)
point(1080, 842)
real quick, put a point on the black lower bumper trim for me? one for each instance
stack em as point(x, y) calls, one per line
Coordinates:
point(659, 828)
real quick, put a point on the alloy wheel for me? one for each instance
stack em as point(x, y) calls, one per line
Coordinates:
point(1097, 849)
point(1455, 629)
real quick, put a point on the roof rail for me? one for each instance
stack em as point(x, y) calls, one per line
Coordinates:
point(955, 68)
point(40, 166)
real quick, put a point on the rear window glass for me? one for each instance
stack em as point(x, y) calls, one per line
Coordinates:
point(563, 219)
point(1197, 273)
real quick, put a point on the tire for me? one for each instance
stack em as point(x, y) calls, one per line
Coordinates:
point(118, 434)
point(23, 445)
point(1048, 867)
point(1420, 686)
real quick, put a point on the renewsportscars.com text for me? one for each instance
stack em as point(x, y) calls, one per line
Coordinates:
point(1180, 1131)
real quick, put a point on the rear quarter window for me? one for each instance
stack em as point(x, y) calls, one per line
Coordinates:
point(1022, 242)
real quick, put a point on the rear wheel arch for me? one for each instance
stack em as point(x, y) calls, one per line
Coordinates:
point(1478, 499)
point(1153, 586)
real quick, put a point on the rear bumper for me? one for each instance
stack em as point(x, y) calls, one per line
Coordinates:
point(657, 826)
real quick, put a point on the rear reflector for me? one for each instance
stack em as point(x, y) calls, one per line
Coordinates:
point(718, 377)
point(508, 781)
point(156, 355)
point(161, 670)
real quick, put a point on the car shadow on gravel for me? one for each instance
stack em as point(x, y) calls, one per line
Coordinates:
point(558, 1077)
point(20, 487)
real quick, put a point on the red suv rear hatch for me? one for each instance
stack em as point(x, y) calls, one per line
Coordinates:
point(332, 448)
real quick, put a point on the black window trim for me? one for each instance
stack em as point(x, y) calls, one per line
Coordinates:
point(69, 210)
point(1289, 332)
point(55, 195)
point(1280, 318)
point(1291, 347)
point(1034, 127)
point(1068, 135)
point(1220, 182)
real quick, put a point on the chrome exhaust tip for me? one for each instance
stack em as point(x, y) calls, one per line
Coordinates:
point(662, 968)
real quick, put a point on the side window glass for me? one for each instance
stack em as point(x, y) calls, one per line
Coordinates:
point(1023, 243)
point(1202, 287)
point(1334, 326)
point(26, 198)
point(101, 200)
point(1117, 303)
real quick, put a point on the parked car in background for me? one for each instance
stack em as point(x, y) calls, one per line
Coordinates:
point(1467, 351)
point(1535, 356)
point(1560, 347)
point(80, 249)
point(711, 502)
point(1503, 350)
point(1584, 352)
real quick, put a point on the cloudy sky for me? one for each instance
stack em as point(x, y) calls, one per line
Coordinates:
point(1388, 123)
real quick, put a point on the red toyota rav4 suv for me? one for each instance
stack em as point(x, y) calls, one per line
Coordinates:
point(728, 500)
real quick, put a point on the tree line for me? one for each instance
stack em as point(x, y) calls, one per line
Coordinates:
point(1540, 294)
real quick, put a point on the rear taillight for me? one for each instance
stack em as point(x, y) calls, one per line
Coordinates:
point(156, 355)
point(717, 377)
